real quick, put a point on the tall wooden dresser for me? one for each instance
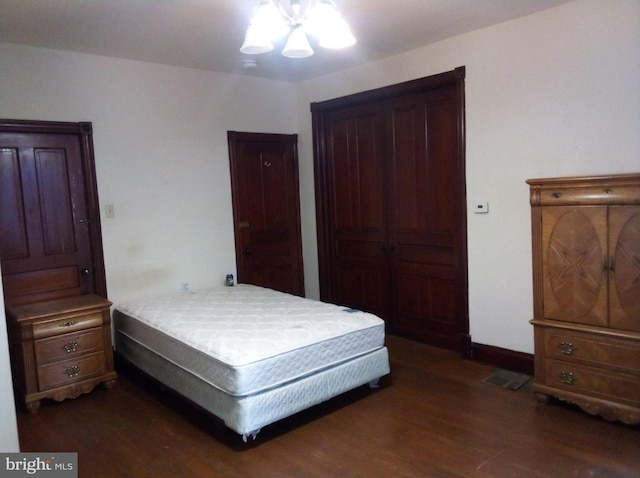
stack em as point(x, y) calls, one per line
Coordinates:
point(586, 287)
point(60, 348)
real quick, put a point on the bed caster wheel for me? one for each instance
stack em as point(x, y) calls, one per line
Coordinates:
point(251, 435)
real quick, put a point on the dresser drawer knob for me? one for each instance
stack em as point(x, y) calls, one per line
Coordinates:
point(71, 346)
point(72, 371)
point(71, 323)
point(567, 348)
point(556, 195)
point(567, 377)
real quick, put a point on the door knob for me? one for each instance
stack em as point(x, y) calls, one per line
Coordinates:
point(247, 250)
point(85, 272)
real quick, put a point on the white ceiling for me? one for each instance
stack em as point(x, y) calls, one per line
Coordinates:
point(207, 34)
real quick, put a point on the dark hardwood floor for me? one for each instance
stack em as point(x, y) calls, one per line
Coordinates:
point(433, 417)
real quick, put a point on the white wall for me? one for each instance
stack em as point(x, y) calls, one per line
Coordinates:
point(160, 151)
point(9, 429)
point(556, 93)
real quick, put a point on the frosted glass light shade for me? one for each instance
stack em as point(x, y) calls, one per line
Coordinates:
point(338, 35)
point(269, 21)
point(297, 44)
point(256, 42)
point(329, 27)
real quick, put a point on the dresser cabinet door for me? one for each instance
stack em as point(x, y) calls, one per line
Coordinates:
point(574, 243)
point(624, 251)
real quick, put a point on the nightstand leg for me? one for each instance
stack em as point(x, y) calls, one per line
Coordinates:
point(542, 397)
point(32, 407)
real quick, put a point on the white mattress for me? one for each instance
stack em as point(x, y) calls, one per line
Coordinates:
point(247, 339)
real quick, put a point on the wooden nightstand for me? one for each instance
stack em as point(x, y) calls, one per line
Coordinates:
point(60, 348)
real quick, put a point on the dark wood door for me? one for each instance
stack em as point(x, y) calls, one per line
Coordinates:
point(426, 217)
point(266, 210)
point(50, 243)
point(357, 236)
point(390, 196)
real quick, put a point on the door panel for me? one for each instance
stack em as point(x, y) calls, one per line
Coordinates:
point(426, 303)
point(50, 243)
point(54, 191)
point(425, 217)
point(12, 220)
point(41, 284)
point(356, 194)
point(266, 210)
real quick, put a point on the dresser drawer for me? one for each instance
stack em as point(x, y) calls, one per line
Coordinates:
point(595, 350)
point(68, 346)
point(604, 384)
point(65, 325)
point(70, 371)
point(604, 193)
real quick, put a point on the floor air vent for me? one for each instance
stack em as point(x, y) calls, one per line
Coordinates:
point(507, 379)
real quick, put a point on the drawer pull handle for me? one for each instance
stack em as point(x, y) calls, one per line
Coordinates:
point(71, 346)
point(567, 377)
point(567, 348)
point(607, 191)
point(72, 371)
point(71, 323)
point(556, 195)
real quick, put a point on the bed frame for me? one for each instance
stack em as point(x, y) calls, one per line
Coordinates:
point(246, 415)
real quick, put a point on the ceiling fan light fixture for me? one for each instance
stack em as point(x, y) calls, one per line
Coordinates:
point(270, 22)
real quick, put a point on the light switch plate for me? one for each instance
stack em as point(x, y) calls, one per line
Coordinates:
point(481, 207)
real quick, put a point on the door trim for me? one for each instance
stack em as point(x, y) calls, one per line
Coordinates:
point(84, 130)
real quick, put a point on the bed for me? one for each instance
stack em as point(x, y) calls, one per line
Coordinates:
point(251, 355)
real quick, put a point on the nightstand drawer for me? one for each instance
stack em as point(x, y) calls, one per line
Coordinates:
point(66, 324)
point(70, 371)
point(600, 383)
point(68, 346)
point(594, 350)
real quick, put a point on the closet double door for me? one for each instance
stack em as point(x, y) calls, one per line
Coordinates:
point(390, 195)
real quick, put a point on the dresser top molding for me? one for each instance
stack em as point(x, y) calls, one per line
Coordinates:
point(585, 190)
point(587, 179)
